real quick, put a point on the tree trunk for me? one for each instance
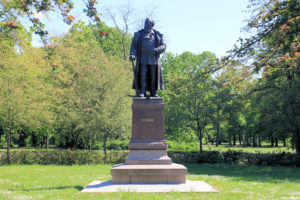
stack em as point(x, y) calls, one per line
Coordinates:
point(248, 141)
point(47, 141)
point(8, 146)
point(200, 142)
point(218, 127)
point(284, 141)
point(90, 142)
point(105, 145)
point(234, 139)
point(244, 140)
point(8, 135)
point(259, 142)
point(254, 141)
point(272, 141)
point(124, 48)
point(297, 139)
point(276, 142)
point(199, 134)
point(34, 140)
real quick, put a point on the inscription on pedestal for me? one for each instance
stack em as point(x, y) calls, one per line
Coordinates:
point(148, 120)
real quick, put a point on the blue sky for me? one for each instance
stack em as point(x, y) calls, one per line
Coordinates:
point(187, 25)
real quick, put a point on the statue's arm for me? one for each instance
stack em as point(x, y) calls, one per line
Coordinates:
point(162, 46)
point(133, 45)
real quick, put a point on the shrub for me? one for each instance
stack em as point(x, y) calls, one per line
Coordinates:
point(64, 157)
point(71, 157)
point(237, 157)
point(112, 145)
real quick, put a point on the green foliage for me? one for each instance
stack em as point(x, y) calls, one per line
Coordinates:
point(189, 94)
point(64, 157)
point(83, 101)
point(273, 49)
point(26, 99)
point(229, 103)
point(11, 11)
point(114, 42)
point(68, 157)
point(94, 91)
point(115, 145)
point(237, 157)
point(2, 141)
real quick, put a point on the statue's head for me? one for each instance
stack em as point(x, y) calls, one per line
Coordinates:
point(149, 24)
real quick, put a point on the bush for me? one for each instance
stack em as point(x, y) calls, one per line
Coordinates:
point(64, 157)
point(71, 157)
point(113, 145)
point(237, 157)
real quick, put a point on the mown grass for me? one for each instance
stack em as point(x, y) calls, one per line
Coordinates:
point(65, 182)
point(194, 146)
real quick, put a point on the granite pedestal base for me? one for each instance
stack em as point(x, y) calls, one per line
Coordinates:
point(173, 173)
point(148, 161)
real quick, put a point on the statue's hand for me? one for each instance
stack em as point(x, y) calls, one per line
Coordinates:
point(132, 57)
point(156, 52)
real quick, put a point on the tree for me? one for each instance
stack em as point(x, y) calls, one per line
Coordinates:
point(275, 52)
point(95, 88)
point(114, 41)
point(189, 97)
point(25, 98)
point(11, 11)
point(222, 95)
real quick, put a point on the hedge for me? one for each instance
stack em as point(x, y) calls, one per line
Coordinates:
point(237, 157)
point(63, 157)
point(71, 157)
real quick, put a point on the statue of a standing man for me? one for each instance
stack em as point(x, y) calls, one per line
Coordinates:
point(146, 46)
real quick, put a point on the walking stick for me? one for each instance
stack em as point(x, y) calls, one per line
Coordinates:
point(135, 79)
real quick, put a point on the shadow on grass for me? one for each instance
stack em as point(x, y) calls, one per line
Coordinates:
point(77, 187)
point(247, 173)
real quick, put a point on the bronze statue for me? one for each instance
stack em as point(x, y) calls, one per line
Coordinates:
point(146, 46)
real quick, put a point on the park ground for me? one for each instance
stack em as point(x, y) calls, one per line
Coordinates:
point(66, 182)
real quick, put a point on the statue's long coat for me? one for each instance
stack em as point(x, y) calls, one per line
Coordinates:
point(135, 50)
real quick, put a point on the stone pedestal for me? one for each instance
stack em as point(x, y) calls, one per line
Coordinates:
point(148, 161)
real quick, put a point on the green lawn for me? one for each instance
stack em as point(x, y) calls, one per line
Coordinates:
point(189, 146)
point(65, 182)
point(263, 149)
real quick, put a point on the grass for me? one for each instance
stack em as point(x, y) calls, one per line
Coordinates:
point(65, 182)
point(263, 149)
point(194, 146)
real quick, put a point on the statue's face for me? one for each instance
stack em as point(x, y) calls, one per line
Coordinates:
point(149, 24)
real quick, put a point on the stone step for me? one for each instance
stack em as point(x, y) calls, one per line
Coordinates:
point(154, 157)
point(124, 173)
point(147, 144)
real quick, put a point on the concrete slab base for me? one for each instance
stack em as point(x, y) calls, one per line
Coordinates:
point(108, 186)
